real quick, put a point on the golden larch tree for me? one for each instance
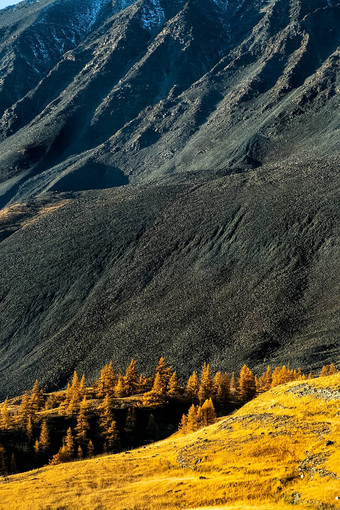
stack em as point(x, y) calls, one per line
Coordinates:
point(131, 379)
point(174, 389)
point(192, 388)
point(83, 425)
point(247, 384)
point(120, 388)
point(106, 382)
point(5, 418)
point(206, 384)
point(157, 395)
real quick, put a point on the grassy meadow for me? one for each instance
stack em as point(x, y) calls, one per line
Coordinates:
point(279, 450)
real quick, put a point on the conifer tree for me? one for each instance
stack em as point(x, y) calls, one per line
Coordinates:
point(173, 386)
point(79, 453)
point(120, 388)
point(106, 382)
point(183, 424)
point(131, 379)
point(3, 462)
point(164, 371)
point(25, 411)
point(69, 443)
point(82, 387)
point(331, 369)
point(324, 371)
point(276, 377)
point(191, 391)
point(29, 429)
point(145, 383)
point(265, 381)
point(112, 437)
point(5, 421)
point(82, 426)
point(36, 446)
point(157, 395)
point(90, 449)
point(75, 384)
point(207, 414)
point(247, 384)
point(192, 423)
point(61, 456)
point(62, 410)
point(221, 390)
point(206, 384)
point(234, 387)
point(44, 439)
point(36, 399)
point(74, 398)
point(106, 415)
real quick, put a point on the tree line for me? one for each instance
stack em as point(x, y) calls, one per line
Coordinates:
point(90, 411)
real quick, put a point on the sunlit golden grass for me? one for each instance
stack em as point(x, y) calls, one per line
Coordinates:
point(279, 450)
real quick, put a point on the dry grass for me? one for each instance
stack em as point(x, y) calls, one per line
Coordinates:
point(253, 459)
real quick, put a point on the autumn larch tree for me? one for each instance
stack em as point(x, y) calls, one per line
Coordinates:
point(192, 388)
point(183, 424)
point(90, 449)
point(82, 387)
point(157, 395)
point(120, 388)
point(207, 415)
point(82, 426)
point(3, 462)
point(112, 438)
point(247, 384)
point(69, 443)
point(75, 398)
point(36, 399)
point(234, 387)
point(106, 382)
point(44, 438)
point(206, 384)
point(106, 414)
point(221, 390)
point(192, 422)
point(5, 419)
point(264, 382)
point(164, 371)
point(174, 389)
point(131, 379)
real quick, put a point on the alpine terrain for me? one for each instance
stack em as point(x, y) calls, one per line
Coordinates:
point(168, 187)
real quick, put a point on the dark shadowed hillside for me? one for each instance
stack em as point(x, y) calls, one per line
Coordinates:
point(242, 268)
point(168, 184)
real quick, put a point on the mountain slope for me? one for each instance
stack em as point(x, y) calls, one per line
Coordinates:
point(281, 449)
point(161, 270)
point(153, 89)
point(168, 185)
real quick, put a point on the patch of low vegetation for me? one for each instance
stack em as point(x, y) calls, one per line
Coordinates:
point(270, 454)
point(120, 411)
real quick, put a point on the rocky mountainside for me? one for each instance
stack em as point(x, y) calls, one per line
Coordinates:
point(214, 127)
point(97, 93)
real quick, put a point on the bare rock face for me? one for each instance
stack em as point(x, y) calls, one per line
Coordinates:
point(168, 185)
